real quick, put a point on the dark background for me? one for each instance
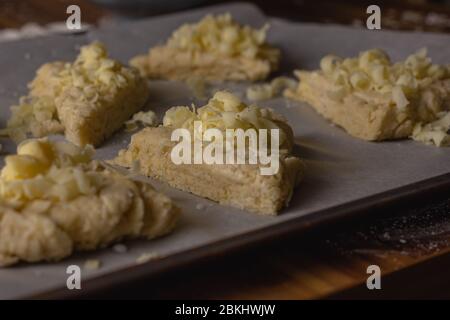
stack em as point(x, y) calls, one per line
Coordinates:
point(427, 15)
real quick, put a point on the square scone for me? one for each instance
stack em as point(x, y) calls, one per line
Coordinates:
point(237, 183)
point(216, 48)
point(54, 200)
point(374, 99)
point(87, 99)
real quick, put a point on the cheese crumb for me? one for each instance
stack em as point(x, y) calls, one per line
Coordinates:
point(436, 132)
point(92, 264)
point(200, 206)
point(120, 248)
point(270, 90)
point(148, 119)
point(146, 257)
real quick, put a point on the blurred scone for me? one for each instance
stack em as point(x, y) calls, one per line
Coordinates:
point(230, 183)
point(87, 100)
point(373, 98)
point(215, 48)
point(55, 199)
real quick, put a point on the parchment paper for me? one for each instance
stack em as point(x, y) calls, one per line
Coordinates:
point(340, 168)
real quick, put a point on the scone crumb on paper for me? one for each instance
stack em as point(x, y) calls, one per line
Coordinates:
point(120, 248)
point(271, 89)
point(147, 256)
point(145, 118)
point(436, 132)
point(92, 264)
point(200, 206)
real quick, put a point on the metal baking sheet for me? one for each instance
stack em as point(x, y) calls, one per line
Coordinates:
point(342, 172)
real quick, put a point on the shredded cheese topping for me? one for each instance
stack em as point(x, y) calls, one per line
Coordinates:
point(146, 118)
point(436, 132)
point(222, 35)
point(373, 71)
point(225, 111)
point(270, 90)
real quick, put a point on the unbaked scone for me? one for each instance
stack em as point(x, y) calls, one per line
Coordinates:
point(215, 48)
point(87, 100)
point(55, 199)
point(239, 185)
point(373, 98)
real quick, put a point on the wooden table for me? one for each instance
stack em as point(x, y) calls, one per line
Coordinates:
point(410, 245)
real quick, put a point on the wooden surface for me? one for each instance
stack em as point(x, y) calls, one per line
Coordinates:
point(409, 245)
point(411, 250)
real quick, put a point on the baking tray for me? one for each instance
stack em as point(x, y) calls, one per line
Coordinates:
point(345, 176)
